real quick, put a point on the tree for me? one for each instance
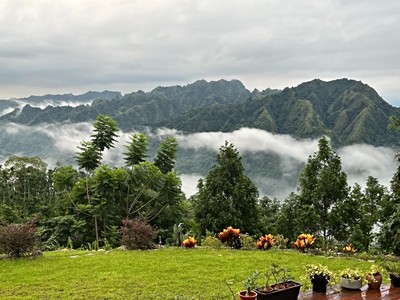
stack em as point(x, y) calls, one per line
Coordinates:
point(25, 185)
point(89, 158)
point(137, 149)
point(105, 135)
point(166, 155)
point(323, 186)
point(227, 197)
point(269, 212)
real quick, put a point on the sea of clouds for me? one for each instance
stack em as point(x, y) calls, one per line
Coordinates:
point(359, 161)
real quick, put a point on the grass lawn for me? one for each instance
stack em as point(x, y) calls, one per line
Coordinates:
point(168, 273)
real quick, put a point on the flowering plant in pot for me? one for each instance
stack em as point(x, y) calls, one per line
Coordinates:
point(374, 277)
point(351, 279)
point(283, 288)
point(250, 285)
point(393, 268)
point(266, 242)
point(320, 277)
point(304, 242)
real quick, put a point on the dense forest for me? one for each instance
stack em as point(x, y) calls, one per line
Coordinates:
point(87, 205)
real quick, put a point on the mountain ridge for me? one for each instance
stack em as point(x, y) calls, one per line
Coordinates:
point(346, 110)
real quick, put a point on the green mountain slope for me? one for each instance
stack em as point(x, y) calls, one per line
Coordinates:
point(346, 110)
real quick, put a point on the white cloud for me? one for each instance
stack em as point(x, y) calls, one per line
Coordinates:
point(358, 161)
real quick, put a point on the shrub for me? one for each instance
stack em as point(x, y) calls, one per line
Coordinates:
point(280, 241)
point(137, 234)
point(190, 242)
point(247, 242)
point(231, 237)
point(266, 242)
point(17, 240)
point(304, 242)
point(211, 241)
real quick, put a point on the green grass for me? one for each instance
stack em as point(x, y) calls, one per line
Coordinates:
point(157, 274)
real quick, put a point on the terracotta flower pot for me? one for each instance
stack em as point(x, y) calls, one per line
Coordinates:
point(374, 281)
point(243, 295)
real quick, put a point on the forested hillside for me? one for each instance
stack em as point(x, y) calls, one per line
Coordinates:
point(348, 111)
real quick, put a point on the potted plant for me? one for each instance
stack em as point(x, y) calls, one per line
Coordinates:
point(283, 288)
point(304, 242)
point(351, 279)
point(374, 277)
point(393, 268)
point(320, 277)
point(250, 285)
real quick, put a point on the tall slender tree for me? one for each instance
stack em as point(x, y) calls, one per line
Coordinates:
point(105, 133)
point(227, 197)
point(323, 185)
point(166, 155)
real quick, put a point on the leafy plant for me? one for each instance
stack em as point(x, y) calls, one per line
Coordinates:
point(17, 240)
point(280, 241)
point(211, 241)
point(392, 268)
point(351, 274)
point(319, 270)
point(349, 249)
point(231, 237)
point(190, 242)
point(250, 282)
point(304, 242)
point(247, 242)
point(137, 234)
point(266, 242)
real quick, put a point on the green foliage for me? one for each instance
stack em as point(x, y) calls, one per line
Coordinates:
point(17, 240)
point(247, 242)
point(226, 197)
point(280, 241)
point(323, 186)
point(137, 234)
point(90, 156)
point(105, 132)
point(166, 155)
point(210, 241)
point(136, 149)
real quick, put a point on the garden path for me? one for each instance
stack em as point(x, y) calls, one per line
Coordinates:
point(386, 293)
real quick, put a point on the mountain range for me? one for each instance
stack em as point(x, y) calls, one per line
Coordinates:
point(348, 111)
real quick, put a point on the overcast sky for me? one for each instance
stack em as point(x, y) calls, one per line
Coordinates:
point(73, 46)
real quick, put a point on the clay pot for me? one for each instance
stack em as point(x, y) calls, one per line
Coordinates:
point(374, 281)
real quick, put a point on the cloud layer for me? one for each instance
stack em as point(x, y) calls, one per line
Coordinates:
point(358, 161)
point(73, 46)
